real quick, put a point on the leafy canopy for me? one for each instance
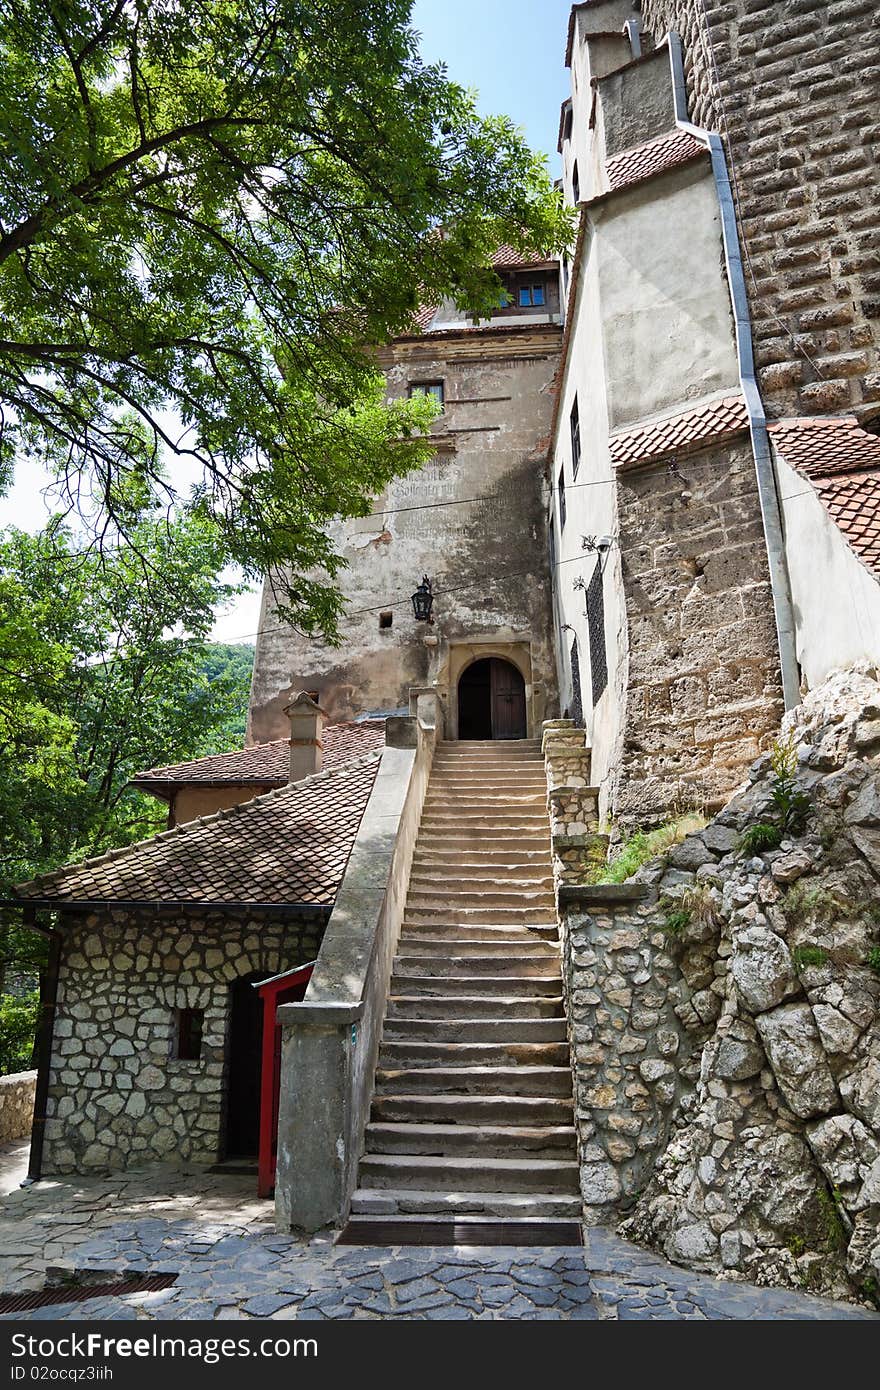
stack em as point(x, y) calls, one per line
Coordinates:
point(207, 209)
point(102, 675)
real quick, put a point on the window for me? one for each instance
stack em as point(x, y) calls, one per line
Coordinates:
point(530, 294)
point(427, 388)
point(575, 425)
point(552, 538)
point(561, 486)
point(385, 620)
point(575, 184)
point(190, 1024)
point(577, 704)
point(596, 631)
point(567, 124)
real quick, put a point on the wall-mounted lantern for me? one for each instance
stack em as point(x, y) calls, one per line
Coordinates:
point(423, 601)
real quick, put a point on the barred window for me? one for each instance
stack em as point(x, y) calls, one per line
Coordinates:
point(596, 630)
point(561, 486)
point(575, 425)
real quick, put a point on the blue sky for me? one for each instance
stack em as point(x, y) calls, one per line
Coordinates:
point(511, 51)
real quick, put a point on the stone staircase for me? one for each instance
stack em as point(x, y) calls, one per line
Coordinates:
point(471, 1137)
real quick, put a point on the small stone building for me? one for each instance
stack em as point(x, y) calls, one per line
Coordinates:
point(155, 1051)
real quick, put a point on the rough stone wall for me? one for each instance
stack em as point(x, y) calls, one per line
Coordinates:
point(797, 100)
point(703, 693)
point(117, 1096)
point(572, 804)
point(16, 1105)
point(726, 1026)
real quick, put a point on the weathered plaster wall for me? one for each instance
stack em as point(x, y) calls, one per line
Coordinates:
point(117, 1095)
point(16, 1105)
point(192, 800)
point(666, 321)
point(703, 697)
point(487, 557)
point(836, 597)
point(796, 101)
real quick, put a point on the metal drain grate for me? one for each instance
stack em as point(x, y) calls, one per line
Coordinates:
point(78, 1293)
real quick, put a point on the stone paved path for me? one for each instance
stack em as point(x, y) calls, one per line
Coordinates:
point(229, 1262)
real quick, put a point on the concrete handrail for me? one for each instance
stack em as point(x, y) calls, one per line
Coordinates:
point(330, 1041)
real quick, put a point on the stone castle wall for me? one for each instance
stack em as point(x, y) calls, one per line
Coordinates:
point(797, 101)
point(703, 694)
point(724, 1013)
point(117, 1096)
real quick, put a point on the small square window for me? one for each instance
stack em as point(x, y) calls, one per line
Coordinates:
point(525, 296)
point(190, 1025)
point(427, 388)
point(385, 620)
point(537, 294)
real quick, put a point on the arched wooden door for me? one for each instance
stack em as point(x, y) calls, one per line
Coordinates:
point(491, 701)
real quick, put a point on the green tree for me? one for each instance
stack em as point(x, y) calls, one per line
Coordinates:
point(224, 662)
point(208, 210)
point(102, 674)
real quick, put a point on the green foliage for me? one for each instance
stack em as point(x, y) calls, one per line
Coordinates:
point(676, 920)
point(208, 213)
point(645, 845)
point(695, 906)
point(105, 669)
point(832, 1227)
point(792, 804)
point(228, 666)
point(872, 959)
point(18, 1022)
point(804, 904)
point(759, 837)
point(809, 955)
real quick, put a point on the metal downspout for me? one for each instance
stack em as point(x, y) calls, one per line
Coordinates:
point(783, 608)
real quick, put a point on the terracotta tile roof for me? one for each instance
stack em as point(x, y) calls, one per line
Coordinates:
point(423, 316)
point(506, 258)
point(718, 419)
point(819, 447)
point(853, 501)
point(288, 846)
point(656, 157)
point(267, 763)
point(842, 461)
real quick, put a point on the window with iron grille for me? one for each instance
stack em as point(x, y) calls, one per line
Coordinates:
point(575, 424)
point(596, 630)
point(577, 703)
point(560, 483)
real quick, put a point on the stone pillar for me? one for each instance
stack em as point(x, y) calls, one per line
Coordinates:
point(316, 1156)
point(306, 736)
point(573, 805)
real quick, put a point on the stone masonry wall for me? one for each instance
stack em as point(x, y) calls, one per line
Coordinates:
point(725, 1022)
point(16, 1105)
point(797, 100)
point(703, 694)
point(118, 1097)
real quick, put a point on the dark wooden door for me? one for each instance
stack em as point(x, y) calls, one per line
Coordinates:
point(508, 700)
point(245, 1048)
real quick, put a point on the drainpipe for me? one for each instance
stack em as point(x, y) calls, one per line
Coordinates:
point(48, 997)
point(783, 609)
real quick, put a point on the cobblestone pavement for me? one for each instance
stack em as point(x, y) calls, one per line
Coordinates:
point(220, 1242)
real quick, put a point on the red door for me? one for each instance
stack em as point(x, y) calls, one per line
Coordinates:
point(288, 988)
point(508, 695)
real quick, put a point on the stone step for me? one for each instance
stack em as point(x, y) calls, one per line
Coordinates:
point(453, 967)
point(544, 1082)
point(475, 1030)
point(408, 1004)
point(410, 1201)
point(487, 1141)
point(426, 1173)
point(480, 917)
point(543, 932)
point(494, 816)
point(508, 948)
point(433, 858)
point(403, 1055)
point(483, 792)
point(438, 1230)
point(488, 987)
point(457, 899)
point(460, 881)
point(449, 1109)
point(467, 845)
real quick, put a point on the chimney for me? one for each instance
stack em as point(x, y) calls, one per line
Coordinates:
point(306, 736)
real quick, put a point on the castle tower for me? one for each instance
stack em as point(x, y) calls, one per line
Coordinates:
point(473, 520)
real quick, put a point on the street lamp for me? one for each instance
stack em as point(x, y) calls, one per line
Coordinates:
point(423, 601)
